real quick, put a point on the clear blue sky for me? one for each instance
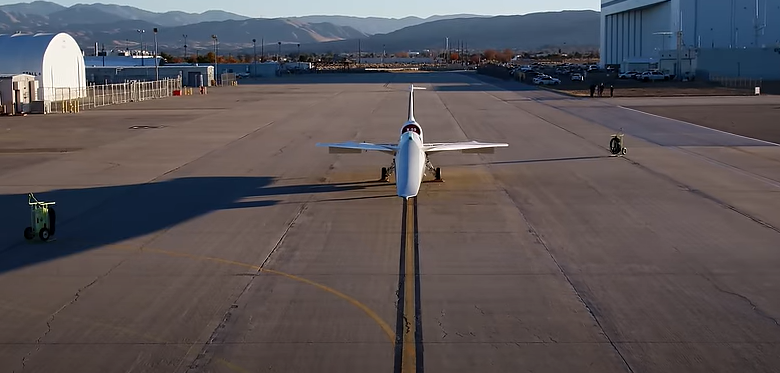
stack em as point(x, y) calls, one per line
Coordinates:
point(393, 8)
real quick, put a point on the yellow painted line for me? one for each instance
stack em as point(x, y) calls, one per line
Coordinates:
point(409, 358)
point(370, 313)
point(382, 324)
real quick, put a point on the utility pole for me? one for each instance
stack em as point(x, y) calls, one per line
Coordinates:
point(156, 62)
point(447, 49)
point(141, 32)
point(185, 47)
point(678, 73)
point(279, 54)
point(216, 60)
point(254, 56)
point(299, 51)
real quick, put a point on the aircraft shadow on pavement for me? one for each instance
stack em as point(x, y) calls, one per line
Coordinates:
point(93, 217)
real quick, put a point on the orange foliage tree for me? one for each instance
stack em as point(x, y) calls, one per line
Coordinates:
point(401, 54)
point(505, 56)
point(474, 58)
point(454, 56)
point(490, 54)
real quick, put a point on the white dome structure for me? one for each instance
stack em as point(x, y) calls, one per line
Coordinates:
point(55, 60)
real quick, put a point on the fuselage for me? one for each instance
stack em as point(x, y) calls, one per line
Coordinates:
point(409, 161)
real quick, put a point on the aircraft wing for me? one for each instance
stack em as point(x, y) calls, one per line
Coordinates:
point(465, 147)
point(358, 147)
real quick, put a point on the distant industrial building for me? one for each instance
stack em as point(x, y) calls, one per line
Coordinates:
point(55, 60)
point(191, 75)
point(700, 30)
point(122, 58)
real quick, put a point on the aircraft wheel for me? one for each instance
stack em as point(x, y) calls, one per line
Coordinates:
point(384, 174)
point(438, 173)
point(28, 233)
point(625, 150)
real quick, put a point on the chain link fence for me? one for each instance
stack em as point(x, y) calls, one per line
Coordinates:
point(72, 100)
point(738, 82)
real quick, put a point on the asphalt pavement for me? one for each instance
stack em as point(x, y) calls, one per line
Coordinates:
point(220, 239)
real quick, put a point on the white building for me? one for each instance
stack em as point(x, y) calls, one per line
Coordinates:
point(55, 60)
point(643, 28)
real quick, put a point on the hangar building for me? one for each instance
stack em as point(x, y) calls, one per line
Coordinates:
point(644, 28)
point(55, 60)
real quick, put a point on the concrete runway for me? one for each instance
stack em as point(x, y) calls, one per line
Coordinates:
point(225, 241)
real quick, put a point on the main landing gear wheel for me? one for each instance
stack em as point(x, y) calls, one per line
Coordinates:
point(385, 176)
point(438, 174)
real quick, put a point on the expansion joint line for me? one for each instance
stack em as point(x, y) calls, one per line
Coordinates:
point(409, 339)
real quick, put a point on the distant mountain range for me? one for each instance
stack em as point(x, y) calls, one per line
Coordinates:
point(571, 30)
point(116, 26)
point(379, 25)
point(105, 13)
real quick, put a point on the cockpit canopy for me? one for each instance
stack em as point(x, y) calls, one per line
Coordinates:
point(412, 127)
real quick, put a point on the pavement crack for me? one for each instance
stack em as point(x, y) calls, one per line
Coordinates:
point(532, 230)
point(203, 357)
point(443, 331)
point(480, 310)
point(51, 318)
point(750, 302)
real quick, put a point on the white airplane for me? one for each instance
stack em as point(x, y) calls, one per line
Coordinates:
point(410, 155)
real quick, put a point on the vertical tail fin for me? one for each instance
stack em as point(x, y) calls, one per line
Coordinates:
point(410, 112)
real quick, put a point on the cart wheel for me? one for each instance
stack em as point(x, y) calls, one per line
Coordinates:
point(44, 234)
point(28, 233)
point(625, 150)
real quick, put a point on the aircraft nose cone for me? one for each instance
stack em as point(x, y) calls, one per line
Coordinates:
point(410, 161)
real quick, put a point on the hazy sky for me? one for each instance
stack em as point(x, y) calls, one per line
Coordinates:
point(394, 8)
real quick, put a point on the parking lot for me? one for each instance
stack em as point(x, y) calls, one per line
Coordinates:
point(623, 87)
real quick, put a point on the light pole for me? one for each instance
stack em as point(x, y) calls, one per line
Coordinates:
point(156, 62)
point(216, 60)
point(299, 51)
point(262, 49)
point(141, 32)
point(254, 54)
point(185, 46)
point(279, 54)
point(383, 53)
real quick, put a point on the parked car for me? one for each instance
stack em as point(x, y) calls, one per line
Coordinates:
point(648, 76)
point(546, 80)
point(628, 75)
point(577, 78)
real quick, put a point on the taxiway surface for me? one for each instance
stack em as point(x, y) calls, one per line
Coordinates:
point(223, 240)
